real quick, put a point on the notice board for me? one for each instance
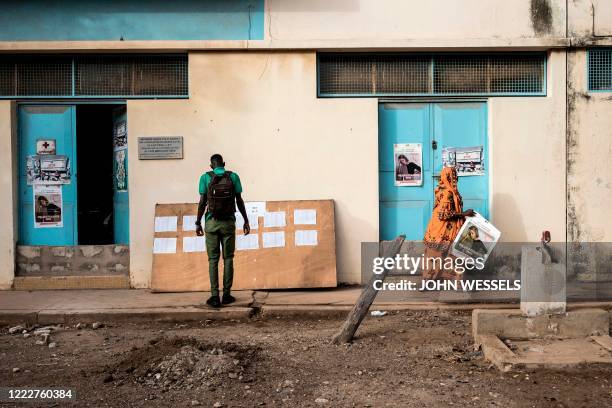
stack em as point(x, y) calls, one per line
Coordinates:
point(291, 245)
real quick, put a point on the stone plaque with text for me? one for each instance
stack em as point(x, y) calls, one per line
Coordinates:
point(160, 147)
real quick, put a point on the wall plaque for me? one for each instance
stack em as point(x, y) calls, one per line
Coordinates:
point(160, 147)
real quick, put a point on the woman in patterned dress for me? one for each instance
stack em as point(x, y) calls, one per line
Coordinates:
point(444, 225)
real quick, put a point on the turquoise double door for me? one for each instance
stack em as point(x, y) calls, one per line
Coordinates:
point(57, 124)
point(435, 126)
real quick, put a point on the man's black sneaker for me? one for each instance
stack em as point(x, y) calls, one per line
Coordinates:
point(227, 299)
point(213, 301)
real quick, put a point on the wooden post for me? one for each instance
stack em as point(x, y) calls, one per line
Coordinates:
point(366, 298)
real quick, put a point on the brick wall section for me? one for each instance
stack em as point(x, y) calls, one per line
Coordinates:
point(82, 260)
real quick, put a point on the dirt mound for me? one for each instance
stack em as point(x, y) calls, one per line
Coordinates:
point(185, 363)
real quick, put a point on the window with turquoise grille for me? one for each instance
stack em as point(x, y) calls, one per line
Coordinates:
point(421, 74)
point(600, 69)
point(94, 76)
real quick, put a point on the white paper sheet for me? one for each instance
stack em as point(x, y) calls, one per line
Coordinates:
point(194, 244)
point(253, 221)
point(255, 207)
point(273, 239)
point(164, 224)
point(164, 245)
point(274, 219)
point(189, 222)
point(244, 242)
point(306, 238)
point(305, 217)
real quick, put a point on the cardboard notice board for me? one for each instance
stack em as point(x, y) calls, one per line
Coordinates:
point(291, 245)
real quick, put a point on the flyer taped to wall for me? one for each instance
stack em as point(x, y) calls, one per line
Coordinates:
point(469, 161)
point(48, 206)
point(408, 160)
point(476, 239)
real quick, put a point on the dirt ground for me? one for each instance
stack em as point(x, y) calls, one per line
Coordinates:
point(404, 359)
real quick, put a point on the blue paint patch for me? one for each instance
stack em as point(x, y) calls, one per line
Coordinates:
point(91, 20)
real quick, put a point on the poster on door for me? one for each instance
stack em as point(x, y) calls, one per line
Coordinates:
point(120, 135)
point(408, 160)
point(47, 169)
point(469, 161)
point(120, 170)
point(48, 206)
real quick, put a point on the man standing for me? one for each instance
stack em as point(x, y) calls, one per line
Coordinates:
point(220, 193)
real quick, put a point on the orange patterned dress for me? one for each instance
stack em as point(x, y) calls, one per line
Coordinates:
point(443, 226)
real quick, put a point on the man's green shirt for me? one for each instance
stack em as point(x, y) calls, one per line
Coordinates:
point(205, 181)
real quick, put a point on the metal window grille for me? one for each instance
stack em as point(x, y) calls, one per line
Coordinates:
point(437, 74)
point(600, 69)
point(372, 74)
point(131, 75)
point(44, 76)
point(100, 76)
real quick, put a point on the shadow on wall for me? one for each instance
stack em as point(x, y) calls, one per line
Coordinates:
point(509, 220)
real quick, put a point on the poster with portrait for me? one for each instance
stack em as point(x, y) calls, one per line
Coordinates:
point(408, 163)
point(48, 206)
point(476, 239)
point(469, 161)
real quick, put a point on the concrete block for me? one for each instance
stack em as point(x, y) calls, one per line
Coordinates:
point(550, 354)
point(90, 251)
point(512, 324)
point(28, 252)
point(543, 285)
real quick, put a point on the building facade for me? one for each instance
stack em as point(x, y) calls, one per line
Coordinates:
point(305, 99)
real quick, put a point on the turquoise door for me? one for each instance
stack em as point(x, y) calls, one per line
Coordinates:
point(407, 209)
point(121, 204)
point(53, 124)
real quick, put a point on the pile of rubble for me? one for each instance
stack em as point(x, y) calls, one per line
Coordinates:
point(43, 333)
point(190, 367)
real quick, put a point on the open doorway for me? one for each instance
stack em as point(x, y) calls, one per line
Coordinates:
point(95, 128)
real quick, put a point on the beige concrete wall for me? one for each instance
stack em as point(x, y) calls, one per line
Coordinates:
point(8, 185)
point(527, 182)
point(253, 106)
point(397, 19)
point(588, 18)
point(589, 175)
point(385, 24)
point(261, 112)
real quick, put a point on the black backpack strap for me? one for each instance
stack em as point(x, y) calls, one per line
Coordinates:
point(229, 176)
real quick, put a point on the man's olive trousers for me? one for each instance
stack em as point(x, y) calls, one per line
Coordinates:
point(220, 238)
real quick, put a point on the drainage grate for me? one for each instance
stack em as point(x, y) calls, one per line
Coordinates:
point(99, 76)
point(438, 74)
point(600, 69)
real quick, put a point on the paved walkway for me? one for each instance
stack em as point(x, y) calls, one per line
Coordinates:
point(73, 306)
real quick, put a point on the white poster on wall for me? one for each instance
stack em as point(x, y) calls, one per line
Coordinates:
point(408, 161)
point(469, 161)
point(48, 206)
